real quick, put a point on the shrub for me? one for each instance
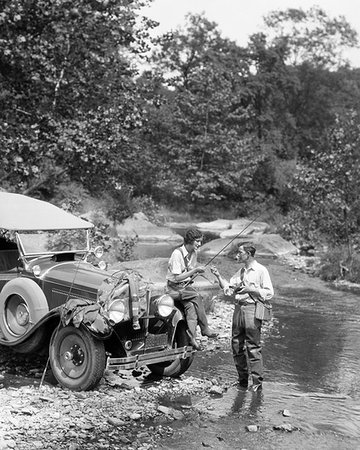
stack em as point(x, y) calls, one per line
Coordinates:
point(339, 263)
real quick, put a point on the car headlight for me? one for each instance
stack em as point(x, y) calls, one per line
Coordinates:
point(98, 252)
point(116, 311)
point(36, 270)
point(165, 305)
point(102, 265)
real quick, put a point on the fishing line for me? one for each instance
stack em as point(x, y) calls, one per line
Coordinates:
point(221, 250)
point(232, 240)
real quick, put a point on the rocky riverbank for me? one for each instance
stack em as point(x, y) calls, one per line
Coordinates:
point(127, 410)
point(130, 411)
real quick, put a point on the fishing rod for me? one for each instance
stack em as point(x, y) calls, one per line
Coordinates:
point(232, 240)
point(221, 250)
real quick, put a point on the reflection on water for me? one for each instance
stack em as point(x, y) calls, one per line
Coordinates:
point(145, 250)
point(311, 356)
point(312, 362)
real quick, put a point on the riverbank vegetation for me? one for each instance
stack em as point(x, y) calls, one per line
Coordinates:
point(93, 107)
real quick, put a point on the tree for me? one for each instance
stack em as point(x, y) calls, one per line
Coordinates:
point(330, 188)
point(69, 94)
point(205, 127)
point(311, 36)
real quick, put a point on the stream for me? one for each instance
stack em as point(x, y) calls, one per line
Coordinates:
point(311, 380)
point(311, 392)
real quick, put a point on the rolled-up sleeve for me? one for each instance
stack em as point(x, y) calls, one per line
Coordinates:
point(266, 290)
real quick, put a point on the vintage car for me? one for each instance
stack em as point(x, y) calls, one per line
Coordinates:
point(54, 299)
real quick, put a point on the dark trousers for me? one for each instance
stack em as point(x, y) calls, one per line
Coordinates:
point(246, 346)
point(190, 301)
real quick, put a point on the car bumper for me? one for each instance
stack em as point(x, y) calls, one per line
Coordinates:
point(136, 361)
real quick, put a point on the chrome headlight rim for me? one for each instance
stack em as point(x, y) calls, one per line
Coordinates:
point(165, 305)
point(116, 311)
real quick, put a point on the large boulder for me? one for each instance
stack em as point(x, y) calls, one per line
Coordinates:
point(180, 227)
point(276, 244)
point(139, 226)
point(266, 245)
point(223, 228)
point(244, 227)
point(215, 227)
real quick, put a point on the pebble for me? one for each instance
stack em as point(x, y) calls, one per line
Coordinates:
point(116, 422)
point(57, 416)
point(286, 427)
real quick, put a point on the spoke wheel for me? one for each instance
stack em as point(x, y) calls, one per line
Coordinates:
point(178, 366)
point(77, 358)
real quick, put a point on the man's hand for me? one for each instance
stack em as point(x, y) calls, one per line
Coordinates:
point(242, 289)
point(200, 269)
point(215, 271)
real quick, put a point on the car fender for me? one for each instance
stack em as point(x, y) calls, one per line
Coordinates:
point(177, 317)
point(35, 301)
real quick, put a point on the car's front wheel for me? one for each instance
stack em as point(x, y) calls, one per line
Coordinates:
point(178, 366)
point(77, 358)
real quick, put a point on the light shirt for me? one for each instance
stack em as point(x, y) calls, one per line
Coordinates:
point(257, 276)
point(180, 261)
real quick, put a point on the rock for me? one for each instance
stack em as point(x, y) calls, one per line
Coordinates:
point(7, 444)
point(171, 412)
point(216, 226)
point(180, 227)
point(216, 390)
point(266, 245)
point(46, 399)
point(252, 428)
point(286, 427)
point(73, 447)
point(244, 227)
point(276, 244)
point(139, 226)
point(116, 422)
point(164, 409)
point(286, 413)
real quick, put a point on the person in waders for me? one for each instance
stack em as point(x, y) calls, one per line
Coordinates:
point(251, 289)
point(182, 268)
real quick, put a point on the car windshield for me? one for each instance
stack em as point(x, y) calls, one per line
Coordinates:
point(45, 242)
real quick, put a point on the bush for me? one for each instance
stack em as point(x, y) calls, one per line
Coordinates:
point(149, 207)
point(338, 263)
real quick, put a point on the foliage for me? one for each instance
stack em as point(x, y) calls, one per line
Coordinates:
point(203, 120)
point(311, 36)
point(329, 188)
point(209, 125)
point(149, 207)
point(115, 248)
point(69, 101)
point(337, 263)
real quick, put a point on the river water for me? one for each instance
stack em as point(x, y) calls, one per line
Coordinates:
point(312, 360)
point(311, 353)
point(311, 356)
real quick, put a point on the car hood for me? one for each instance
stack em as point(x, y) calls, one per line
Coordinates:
point(76, 274)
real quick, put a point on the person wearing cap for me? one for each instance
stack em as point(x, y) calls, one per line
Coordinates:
point(251, 289)
point(182, 268)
